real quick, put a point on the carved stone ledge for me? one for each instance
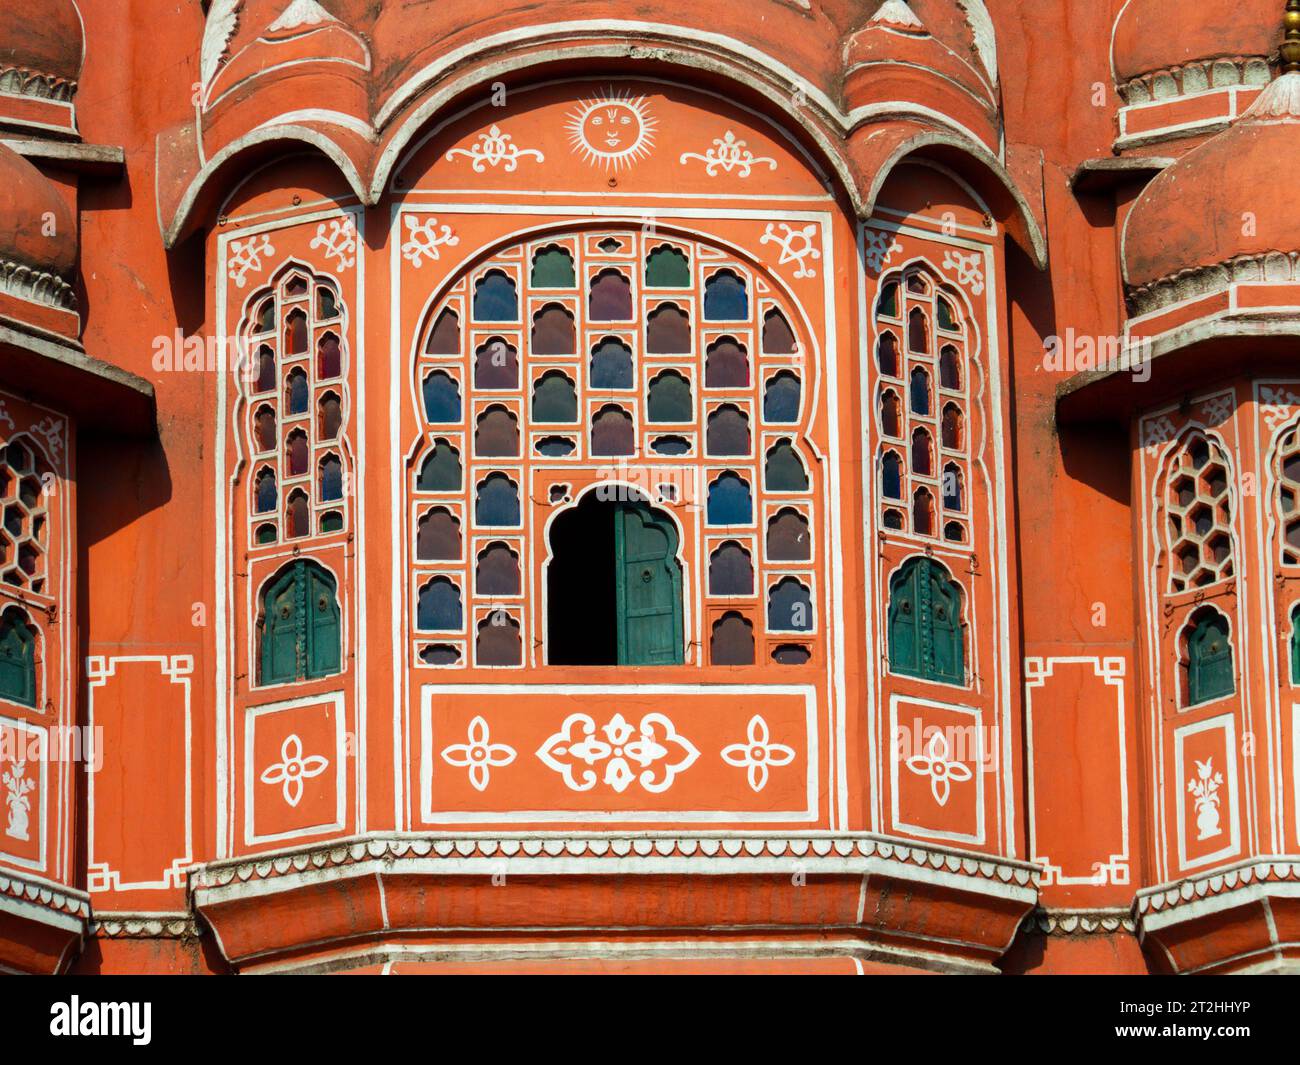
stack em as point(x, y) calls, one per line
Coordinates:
point(24, 82)
point(145, 926)
point(1103, 922)
point(41, 924)
point(1160, 85)
point(53, 897)
point(1280, 267)
point(38, 286)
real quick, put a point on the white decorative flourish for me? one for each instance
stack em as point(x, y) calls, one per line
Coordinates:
point(1217, 409)
point(796, 246)
point(494, 148)
point(654, 746)
point(479, 755)
point(1158, 431)
point(301, 13)
point(51, 429)
point(757, 753)
point(936, 765)
point(293, 769)
point(1279, 404)
point(967, 267)
point(19, 802)
point(727, 154)
point(222, 21)
point(338, 237)
point(425, 238)
point(1205, 787)
point(881, 246)
point(246, 255)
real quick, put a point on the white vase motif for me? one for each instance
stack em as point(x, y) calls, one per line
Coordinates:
point(1205, 787)
point(18, 802)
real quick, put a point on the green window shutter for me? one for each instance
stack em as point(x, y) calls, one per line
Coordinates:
point(925, 632)
point(648, 583)
point(1209, 661)
point(17, 660)
point(323, 629)
point(300, 627)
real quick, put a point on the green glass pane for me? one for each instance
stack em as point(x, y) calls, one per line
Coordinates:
point(553, 268)
point(667, 268)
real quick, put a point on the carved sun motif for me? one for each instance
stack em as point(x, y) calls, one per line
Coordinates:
point(613, 131)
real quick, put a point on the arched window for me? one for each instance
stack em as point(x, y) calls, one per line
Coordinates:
point(17, 657)
point(667, 267)
point(782, 398)
point(732, 641)
point(497, 571)
point(783, 470)
point(554, 398)
point(730, 501)
point(611, 364)
point(731, 571)
point(1198, 515)
point(725, 297)
point(329, 357)
point(497, 502)
point(611, 297)
point(553, 331)
point(299, 631)
point(728, 432)
point(441, 397)
point(926, 637)
point(495, 298)
point(496, 365)
point(726, 364)
point(496, 434)
point(789, 606)
point(444, 337)
point(778, 337)
point(441, 470)
point(612, 433)
point(669, 399)
point(439, 608)
point(498, 642)
point(553, 268)
point(1207, 650)
point(668, 331)
point(439, 537)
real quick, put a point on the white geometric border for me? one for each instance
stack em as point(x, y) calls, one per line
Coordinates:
point(178, 669)
point(1112, 671)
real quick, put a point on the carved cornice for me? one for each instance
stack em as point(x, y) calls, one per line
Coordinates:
point(1172, 83)
point(145, 926)
point(1101, 922)
point(43, 893)
point(618, 851)
point(24, 82)
point(1259, 872)
point(38, 286)
point(1279, 267)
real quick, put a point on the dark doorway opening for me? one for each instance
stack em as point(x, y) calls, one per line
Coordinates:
point(614, 585)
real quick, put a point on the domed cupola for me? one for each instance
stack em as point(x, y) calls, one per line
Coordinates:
point(1185, 71)
point(895, 63)
point(41, 50)
point(38, 250)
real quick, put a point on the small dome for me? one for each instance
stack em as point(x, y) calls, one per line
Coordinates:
point(1156, 35)
point(1225, 200)
point(42, 234)
point(43, 39)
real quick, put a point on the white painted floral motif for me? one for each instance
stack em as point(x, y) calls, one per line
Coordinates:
point(1205, 787)
point(293, 769)
point(51, 429)
point(937, 765)
point(1278, 405)
point(479, 755)
point(654, 746)
point(425, 238)
point(727, 154)
point(967, 267)
point(493, 149)
point(246, 256)
point(1159, 431)
point(18, 800)
point(338, 237)
point(881, 246)
point(1217, 410)
point(796, 246)
point(757, 753)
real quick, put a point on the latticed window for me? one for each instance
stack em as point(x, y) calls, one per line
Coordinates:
point(24, 520)
point(926, 637)
point(295, 418)
point(922, 403)
point(604, 350)
point(1288, 474)
point(299, 628)
point(1198, 516)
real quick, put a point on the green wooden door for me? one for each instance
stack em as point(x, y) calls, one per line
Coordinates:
point(1209, 661)
point(648, 580)
point(301, 630)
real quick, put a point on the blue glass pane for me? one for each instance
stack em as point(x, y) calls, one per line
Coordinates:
point(730, 502)
point(725, 298)
point(441, 398)
point(497, 502)
point(439, 606)
point(789, 607)
point(495, 299)
point(781, 399)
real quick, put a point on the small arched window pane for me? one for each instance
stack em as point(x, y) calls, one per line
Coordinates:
point(438, 538)
point(553, 268)
point(919, 391)
point(1210, 673)
point(782, 398)
point(668, 331)
point(732, 641)
point(922, 453)
point(731, 571)
point(444, 338)
point(554, 399)
point(923, 512)
point(296, 392)
point(611, 364)
point(611, 297)
point(496, 365)
point(497, 434)
point(264, 494)
point(778, 337)
point(953, 495)
point(789, 607)
point(891, 475)
point(728, 432)
point(497, 502)
point(295, 333)
point(670, 399)
point(329, 357)
point(949, 368)
point(265, 369)
point(264, 431)
point(891, 414)
point(495, 298)
point(498, 642)
point(297, 452)
point(668, 267)
point(553, 331)
point(331, 478)
point(951, 428)
point(730, 501)
point(329, 418)
point(441, 397)
point(441, 470)
point(947, 319)
point(918, 331)
point(612, 433)
point(266, 317)
point(327, 305)
point(298, 515)
point(783, 471)
point(725, 298)
point(888, 306)
point(439, 608)
point(788, 538)
point(887, 354)
point(497, 572)
point(726, 365)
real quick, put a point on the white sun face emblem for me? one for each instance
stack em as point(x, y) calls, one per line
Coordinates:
point(612, 132)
